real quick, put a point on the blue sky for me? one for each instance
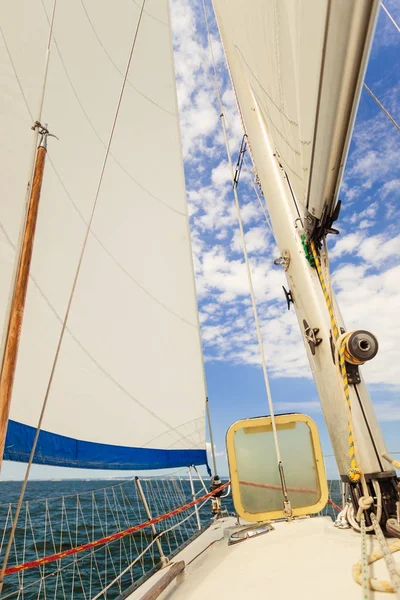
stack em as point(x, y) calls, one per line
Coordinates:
point(364, 258)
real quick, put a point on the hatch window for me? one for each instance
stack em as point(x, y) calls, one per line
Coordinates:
point(255, 478)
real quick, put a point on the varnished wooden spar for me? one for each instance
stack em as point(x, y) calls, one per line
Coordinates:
point(18, 302)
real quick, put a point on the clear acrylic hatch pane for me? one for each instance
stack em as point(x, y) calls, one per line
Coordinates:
point(257, 467)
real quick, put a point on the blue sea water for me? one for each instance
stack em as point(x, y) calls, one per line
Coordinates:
point(60, 515)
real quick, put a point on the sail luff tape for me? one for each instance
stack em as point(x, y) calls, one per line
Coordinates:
point(354, 473)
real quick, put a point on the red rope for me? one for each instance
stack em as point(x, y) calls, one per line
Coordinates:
point(277, 487)
point(334, 505)
point(110, 538)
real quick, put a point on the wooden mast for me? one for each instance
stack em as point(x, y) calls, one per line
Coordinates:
point(20, 287)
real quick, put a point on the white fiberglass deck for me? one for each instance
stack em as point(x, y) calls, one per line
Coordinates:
point(308, 558)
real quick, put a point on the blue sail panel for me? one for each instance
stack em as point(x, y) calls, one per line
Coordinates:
point(63, 451)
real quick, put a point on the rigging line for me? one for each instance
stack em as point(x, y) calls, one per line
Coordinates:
point(264, 213)
point(318, 106)
point(247, 167)
point(294, 198)
point(389, 116)
point(61, 337)
point(249, 276)
point(327, 276)
point(390, 17)
point(268, 222)
point(253, 171)
point(211, 438)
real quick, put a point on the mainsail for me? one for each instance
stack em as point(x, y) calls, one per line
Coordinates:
point(302, 63)
point(129, 388)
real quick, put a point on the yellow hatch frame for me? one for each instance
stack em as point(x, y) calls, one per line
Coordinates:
point(282, 422)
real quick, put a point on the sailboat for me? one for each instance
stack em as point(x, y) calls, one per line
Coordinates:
point(101, 357)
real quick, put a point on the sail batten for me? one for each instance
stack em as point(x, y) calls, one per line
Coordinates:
point(129, 382)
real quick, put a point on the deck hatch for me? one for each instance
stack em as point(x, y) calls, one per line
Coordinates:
point(253, 465)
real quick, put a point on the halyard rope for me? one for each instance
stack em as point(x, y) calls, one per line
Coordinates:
point(360, 569)
point(364, 560)
point(111, 538)
point(386, 550)
point(354, 473)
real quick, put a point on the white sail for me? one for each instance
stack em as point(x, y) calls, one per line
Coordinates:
point(129, 388)
point(303, 63)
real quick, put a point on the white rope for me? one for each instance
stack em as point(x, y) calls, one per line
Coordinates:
point(246, 257)
point(390, 17)
point(71, 296)
point(364, 560)
point(360, 569)
point(387, 555)
point(252, 172)
point(200, 479)
point(211, 437)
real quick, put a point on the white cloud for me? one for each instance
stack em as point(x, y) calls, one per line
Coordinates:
point(313, 406)
point(371, 301)
point(365, 224)
point(373, 249)
point(390, 187)
point(378, 248)
point(374, 156)
point(221, 174)
point(256, 240)
point(365, 281)
point(388, 411)
point(347, 244)
point(216, 451)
